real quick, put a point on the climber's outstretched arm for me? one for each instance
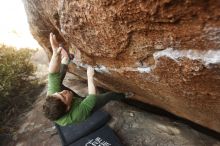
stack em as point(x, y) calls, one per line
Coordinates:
point(54, 65)
point(91, 86)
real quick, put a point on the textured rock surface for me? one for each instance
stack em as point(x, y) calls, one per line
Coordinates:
point(167, 52)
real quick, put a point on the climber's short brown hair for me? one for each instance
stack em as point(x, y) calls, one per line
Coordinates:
point(54, 108)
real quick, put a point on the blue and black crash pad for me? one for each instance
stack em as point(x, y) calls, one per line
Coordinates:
point(104, 136)
point(71, 133)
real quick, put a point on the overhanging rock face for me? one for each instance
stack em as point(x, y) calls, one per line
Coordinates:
point(167, 52)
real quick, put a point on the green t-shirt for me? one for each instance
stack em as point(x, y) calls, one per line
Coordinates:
point(54, 83)
point(80, 109)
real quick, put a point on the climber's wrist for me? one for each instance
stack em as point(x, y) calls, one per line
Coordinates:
point(65, 60)
point(56, 53)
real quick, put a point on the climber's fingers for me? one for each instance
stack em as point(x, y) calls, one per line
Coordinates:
point(54, 43)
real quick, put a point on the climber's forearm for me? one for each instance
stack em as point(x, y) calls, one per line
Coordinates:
point(54, 65)
point(91, 86)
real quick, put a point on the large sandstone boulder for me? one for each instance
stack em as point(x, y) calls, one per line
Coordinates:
point(167, 52)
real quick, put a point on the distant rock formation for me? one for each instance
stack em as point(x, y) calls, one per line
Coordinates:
point(167, 52)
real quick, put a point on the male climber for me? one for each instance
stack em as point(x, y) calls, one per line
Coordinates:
point(62, 105)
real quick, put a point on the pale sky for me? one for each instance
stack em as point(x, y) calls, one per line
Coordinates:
point(14, 29)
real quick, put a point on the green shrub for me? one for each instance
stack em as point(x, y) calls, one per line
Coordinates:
point(16, 74)
point(18, 88)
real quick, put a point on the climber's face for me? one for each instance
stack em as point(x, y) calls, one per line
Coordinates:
point(65, 96)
